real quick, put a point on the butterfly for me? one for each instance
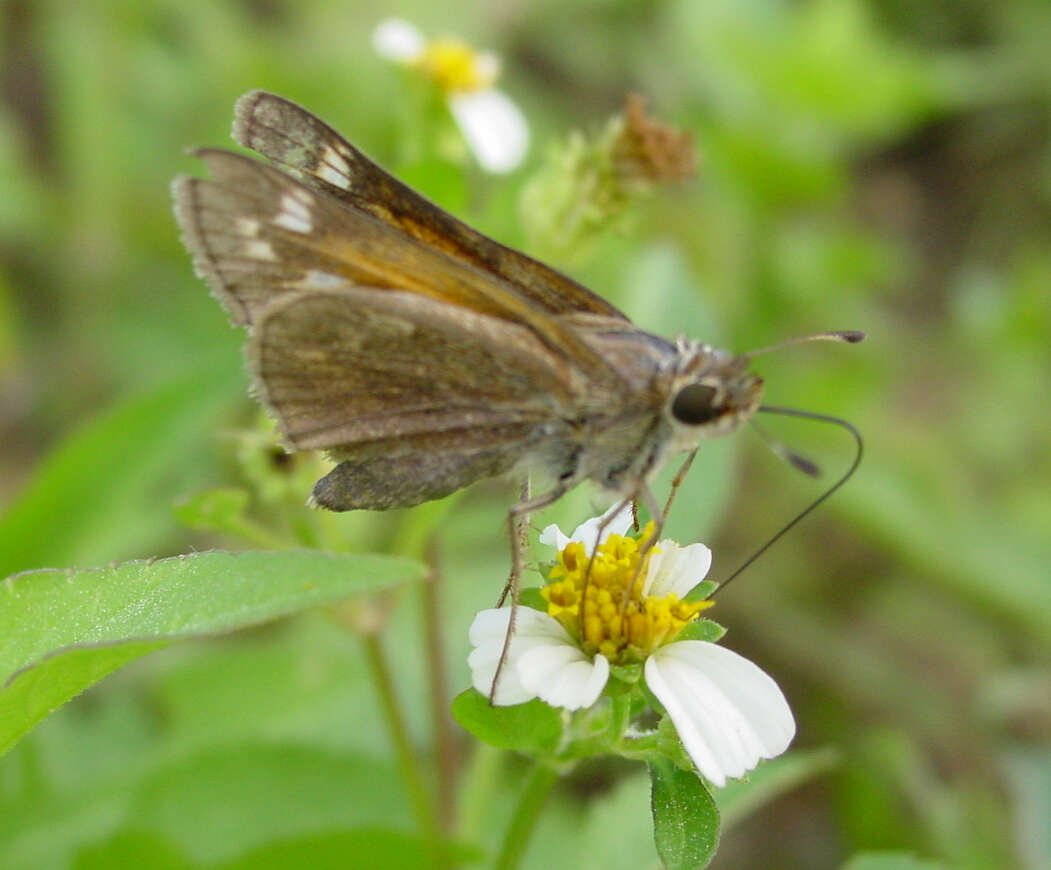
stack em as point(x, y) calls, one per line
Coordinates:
point(420, 354)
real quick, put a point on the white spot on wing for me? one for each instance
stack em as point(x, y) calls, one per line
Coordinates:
point(247, 226)
point(315, 279)
point(259, 250)
point(334, 168)
point(295, 215)
point(293, 222)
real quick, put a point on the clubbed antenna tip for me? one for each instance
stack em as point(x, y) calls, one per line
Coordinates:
point(849, 336)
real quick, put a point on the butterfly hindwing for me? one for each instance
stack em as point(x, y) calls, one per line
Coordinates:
point(380, 373)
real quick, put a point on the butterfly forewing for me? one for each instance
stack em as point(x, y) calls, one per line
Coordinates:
point(257, 233)
point(315, 154)
point(254, 234)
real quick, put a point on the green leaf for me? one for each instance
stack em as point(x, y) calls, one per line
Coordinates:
point(702, 591)
point(685, 818)
point(533, 727)
point(891, 861)
point(62, 631)
point(101, 489)
point(701, 629)
point(531, 597)
point(740, 798)
point(669, 744)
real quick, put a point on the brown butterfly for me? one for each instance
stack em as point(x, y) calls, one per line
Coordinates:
point(419, 353)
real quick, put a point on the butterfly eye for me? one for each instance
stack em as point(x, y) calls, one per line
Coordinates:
point(694, 404)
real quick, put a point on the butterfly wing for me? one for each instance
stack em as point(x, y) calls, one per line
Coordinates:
point(312, 152)
point(415, 398)
point(256, 234)
point(353, 367)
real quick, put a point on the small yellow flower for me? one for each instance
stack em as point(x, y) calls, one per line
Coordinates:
point(491, 123)
point(455, 67)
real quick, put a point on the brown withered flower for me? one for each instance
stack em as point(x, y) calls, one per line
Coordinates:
point(651, 151)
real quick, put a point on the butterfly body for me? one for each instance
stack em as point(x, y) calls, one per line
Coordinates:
point(419, 353)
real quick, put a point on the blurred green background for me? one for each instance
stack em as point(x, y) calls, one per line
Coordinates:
point(883, 166)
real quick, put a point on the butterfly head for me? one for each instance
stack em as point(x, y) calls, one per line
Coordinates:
point(712, 394)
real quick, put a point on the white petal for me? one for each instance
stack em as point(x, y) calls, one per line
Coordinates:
point(728, 712)
point(397, 39)
point(487, 634)
point(563, 676)
point(553, 536)
point(587, 532)
point(491, 625)
point(494, 128)
point(617, 522)
point(676, 570)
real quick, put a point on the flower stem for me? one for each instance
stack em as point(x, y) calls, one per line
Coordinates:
point(531, 801)
point(446, 754)
point(416, 538)
point(620, 715)
point(418, 793)
point(476, 790)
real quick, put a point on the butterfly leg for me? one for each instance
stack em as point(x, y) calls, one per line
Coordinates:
point(680, 476)
point(599, 531)
point(659, 515)
point(523, 525)
point(645, 495)
point(515, 522)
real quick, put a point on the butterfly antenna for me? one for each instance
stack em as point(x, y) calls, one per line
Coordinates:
point(796, 460)
point(848, 336)
point(820, 418)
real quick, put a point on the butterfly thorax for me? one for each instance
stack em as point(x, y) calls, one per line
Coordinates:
point(670, 396)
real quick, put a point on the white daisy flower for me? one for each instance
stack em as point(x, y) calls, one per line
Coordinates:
point(729, 714)
point(491, 123)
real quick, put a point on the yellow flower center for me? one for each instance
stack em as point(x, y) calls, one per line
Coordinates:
point(600, 600)
point(455, 66)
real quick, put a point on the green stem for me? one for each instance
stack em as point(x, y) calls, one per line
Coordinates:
point(446, 754)
point(399, 732)
point(523, 822)
point(600, 744)
point(416, 537)
point(640, 748)
point(476, 790)
point(419, 526)
point(620, 715)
